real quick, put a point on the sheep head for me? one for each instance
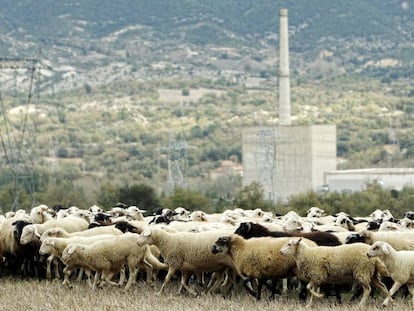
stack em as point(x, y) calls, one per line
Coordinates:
point(46, 247)
point(290, 247)
point(378, 249)
point(146, 237)
point(29, 234)
point(243, 229)
point(355, 238)
point(221, 245)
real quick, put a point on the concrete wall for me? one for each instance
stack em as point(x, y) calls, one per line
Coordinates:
point(288, 160)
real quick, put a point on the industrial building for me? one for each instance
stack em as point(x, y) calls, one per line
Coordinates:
point(357, 180)
point(287, 159)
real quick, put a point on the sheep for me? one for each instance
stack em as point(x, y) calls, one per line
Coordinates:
point(71, 224)
point(135, 213)
point(407, 223)
point(315, 212)
point(108, 257)
point(384, 215)
point(32, 233)
point(389, 226)
point(257, 258)
point(62, 233)
point(55, 246)
point(28, 254)
point(182, 214)
point(95, 209)
point(10, 247)
point(400, 265)
point(39, 214)
point(400, 240)
point(250, 229)
point(342, 264)
point(186, 252)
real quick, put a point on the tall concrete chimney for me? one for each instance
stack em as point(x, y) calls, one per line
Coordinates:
point(284, 79)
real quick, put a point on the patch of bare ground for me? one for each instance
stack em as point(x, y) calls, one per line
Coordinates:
point(44, 295)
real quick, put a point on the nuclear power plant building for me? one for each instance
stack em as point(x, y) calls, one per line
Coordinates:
point(287, 159)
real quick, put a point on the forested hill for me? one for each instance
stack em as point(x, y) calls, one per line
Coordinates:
point(61, 23)
point(316, 19)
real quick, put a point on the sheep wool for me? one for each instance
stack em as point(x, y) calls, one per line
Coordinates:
point(400, 265)
point(342, 264)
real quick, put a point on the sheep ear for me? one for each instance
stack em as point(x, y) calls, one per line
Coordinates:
point(385, 249)
point(36, 232)
point(296, 241)
point(146, 233)
point(71, 249)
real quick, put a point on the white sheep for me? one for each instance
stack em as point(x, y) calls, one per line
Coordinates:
point(400, 265)
point(187, 252)
point(108, 258)
point(62, 233)
point(39, 214)
point(315, 212)
point(257, 258)
point(342, 264)
point(389, 226)
point(400, 240)
point(55, 246)
point(32, 233)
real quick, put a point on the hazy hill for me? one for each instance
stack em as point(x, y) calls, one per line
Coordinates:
point(119, 80)
point(89, 33)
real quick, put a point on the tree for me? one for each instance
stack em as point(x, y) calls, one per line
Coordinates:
point(140, 195)
point(252, 197)
point(65, 193)
point(190, 200)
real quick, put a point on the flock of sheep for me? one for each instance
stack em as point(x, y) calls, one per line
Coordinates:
point(315, 255)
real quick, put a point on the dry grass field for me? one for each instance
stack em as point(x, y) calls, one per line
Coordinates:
point(34, 295)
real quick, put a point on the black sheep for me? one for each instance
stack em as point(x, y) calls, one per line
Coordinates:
point(250, 229)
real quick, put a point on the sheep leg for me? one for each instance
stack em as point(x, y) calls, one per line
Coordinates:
point(88, 274)
point(49, 267)
point(365, 295)
point(121, 276)
point(377, 283)
point(56, 266)
point(149, 269)
point(132, 276)
point(67, 271)
point(107, 277)
point(199, 278)
point(259, 288)
point(273, 288)
point(80, 274)
point(95, 280)
point(184, 280)
point(245, 283)
point(215, 280)
point(170, 273)
point(395, 287)
point(411, 290)
point(229, 281)
point(311, 288)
